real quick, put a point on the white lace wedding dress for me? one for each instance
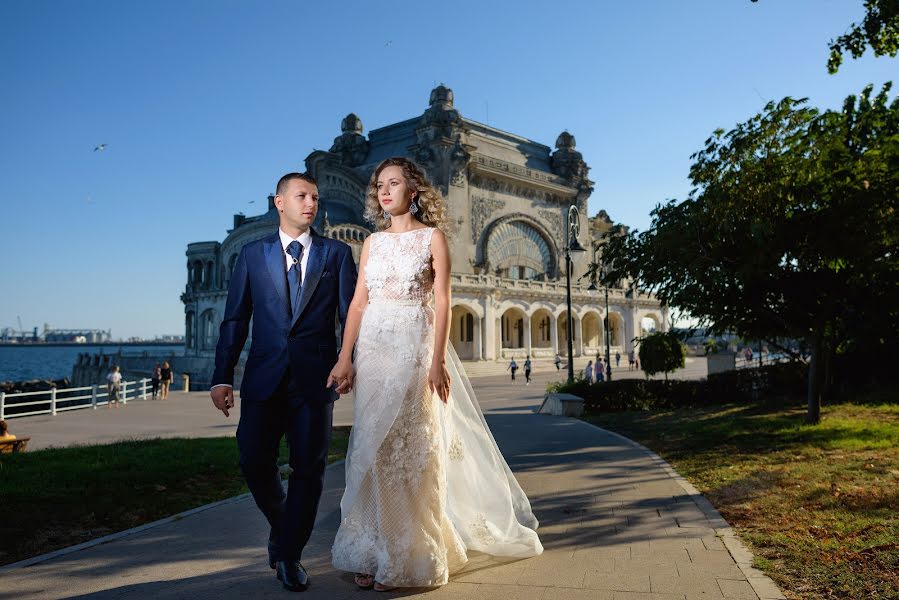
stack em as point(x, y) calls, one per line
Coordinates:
point(425, 482)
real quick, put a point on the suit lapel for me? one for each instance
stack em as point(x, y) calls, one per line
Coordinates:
point(277, 267)
point(315, 266)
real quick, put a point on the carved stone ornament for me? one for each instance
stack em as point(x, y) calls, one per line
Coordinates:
point(351, 145)
point(481, 209)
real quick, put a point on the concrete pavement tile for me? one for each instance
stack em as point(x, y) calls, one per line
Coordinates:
point(598, 555)
point(617, 582)
point(488, 591)
point(644, 567)
point(721, 571)
point(713, 543)
point(704, 586)
point(646, 596)
point(559, 593)
point(766, 589)
point(673, 544)
point(555, 573)
point(710, 557)
point(454, 590)
point(690, 532)
point(737, 589)
point(492, 573)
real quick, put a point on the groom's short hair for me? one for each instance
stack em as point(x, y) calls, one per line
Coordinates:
point(282, 183)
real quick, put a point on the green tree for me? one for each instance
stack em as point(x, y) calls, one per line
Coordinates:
point(662, 352)
point(790, 231)
point(879, 30)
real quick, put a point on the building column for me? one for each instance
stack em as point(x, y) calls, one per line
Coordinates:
point(476, 341)
point(527, 333)
point(578, 326)
point(554, 333)
point(666, 319)
point(489, 329)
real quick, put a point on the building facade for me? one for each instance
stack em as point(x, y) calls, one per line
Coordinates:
point(508, 198)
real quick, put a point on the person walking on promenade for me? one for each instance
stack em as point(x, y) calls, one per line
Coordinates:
point(630, 360)
point(599, 371)
point(527, 370)
point(155, 379)
point(513, 366)
point(588, 372)
point(558, 362)
point(617, 359)
point(166, 377)
point(293, 284)
point(5, 435)
point(113, 383)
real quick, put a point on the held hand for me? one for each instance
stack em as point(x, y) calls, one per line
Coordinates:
point(342, 376)
point(223, 398)
point(439, 381)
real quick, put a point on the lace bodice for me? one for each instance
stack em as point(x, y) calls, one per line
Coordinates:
point(399, 266)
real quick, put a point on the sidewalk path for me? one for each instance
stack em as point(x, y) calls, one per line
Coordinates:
point(616, 521)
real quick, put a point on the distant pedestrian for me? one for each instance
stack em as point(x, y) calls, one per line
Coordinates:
point(513, 366)
point(113, 386)
point(155, 379)
point(588, 372)
point(630, 360)
point(637, 363)
point(5, 435)
point(617, 359)
point(558, 362)
point(599, 371)
point(166, 377)
point(527, 370)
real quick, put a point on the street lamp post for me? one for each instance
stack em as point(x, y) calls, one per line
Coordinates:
point(608, 336)
point(572, 246)
point(593, 288)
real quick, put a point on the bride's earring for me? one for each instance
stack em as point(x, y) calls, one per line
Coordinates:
point(413, 208)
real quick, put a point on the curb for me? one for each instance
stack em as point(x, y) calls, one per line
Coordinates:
point(128, 532)
point(762, 585)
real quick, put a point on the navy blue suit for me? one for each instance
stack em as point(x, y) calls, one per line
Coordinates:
point(283, 388)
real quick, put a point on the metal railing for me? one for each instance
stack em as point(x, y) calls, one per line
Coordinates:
point(55, 401)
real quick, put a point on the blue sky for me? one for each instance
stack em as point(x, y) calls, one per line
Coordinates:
point(204, 104)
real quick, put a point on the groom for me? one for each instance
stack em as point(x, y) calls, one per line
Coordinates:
point(292, 284)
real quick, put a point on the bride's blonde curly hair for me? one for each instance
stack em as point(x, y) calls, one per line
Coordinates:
point(431, 205)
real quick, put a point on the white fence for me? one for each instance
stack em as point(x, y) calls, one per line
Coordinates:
point(54, 401)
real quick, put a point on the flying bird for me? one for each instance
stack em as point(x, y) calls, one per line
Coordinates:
point(388, 44)
point(252, 201)
point(100, 148)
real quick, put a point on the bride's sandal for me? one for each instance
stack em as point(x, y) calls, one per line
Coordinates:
point(384, 588)
point(364, 581)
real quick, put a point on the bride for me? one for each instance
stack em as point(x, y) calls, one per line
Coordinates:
point(425, 481)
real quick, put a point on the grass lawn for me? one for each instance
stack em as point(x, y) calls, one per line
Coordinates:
point(59, 497)
point(817, 504)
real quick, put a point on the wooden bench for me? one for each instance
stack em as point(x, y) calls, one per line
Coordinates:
point(13, 446)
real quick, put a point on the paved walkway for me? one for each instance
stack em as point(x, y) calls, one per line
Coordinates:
point(616, 521)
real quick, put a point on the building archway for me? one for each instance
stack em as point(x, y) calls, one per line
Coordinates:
point(465, 333)
point(541, 329)
point(649, 324)
point(512, 329)
point(616, 329)
point(591, 333)
point(562, 328)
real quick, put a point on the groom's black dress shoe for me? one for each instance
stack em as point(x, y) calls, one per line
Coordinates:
point(271, 554)
point(292, 575)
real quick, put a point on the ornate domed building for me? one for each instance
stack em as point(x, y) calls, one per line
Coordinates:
point(508, 198)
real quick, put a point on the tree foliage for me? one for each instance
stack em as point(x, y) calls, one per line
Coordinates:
point(662, 352)
point(879, 30)
point(791, 231)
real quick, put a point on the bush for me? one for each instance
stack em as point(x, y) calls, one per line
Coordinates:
point(780, 383)
point(662, 353)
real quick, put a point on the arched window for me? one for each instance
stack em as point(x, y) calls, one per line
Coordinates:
point(189, 339)
point(208, 333)
point(516, 250)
